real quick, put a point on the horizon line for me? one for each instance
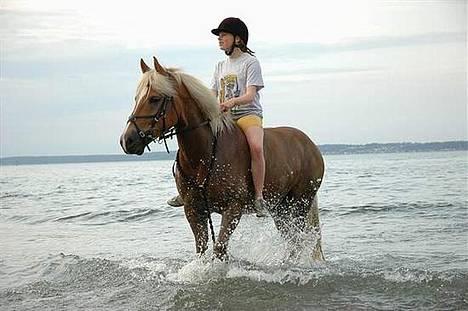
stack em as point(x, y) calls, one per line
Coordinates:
point(173, 151)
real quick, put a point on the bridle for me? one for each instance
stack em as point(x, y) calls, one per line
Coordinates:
point(165, 133)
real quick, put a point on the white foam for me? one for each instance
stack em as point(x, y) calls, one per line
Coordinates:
point(281, 276)
point(407, 275)
point(204, 270)
point(199, 270)
point(256, 252)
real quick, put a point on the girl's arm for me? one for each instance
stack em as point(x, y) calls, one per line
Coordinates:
point(247, 98)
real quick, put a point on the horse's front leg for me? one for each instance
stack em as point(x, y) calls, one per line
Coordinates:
point(230, 219)
point(198, 223)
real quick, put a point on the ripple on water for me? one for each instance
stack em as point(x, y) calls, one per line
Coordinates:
point(120, 283)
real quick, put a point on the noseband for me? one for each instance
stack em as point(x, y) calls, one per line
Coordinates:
point(165, 133)
point(147, 136)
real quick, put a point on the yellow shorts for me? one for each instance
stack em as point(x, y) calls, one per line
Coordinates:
point(248, 121)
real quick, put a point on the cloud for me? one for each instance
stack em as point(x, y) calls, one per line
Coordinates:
point(21, 27)
point(380, 42)
point(69, 73)
point(146, 23)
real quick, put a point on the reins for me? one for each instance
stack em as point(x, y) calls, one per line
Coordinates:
point(170, 133)
point(202, 187)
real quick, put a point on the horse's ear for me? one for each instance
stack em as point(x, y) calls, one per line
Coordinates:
point(160, 69)
point(144, 67)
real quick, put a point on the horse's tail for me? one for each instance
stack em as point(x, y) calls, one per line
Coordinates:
point(313, 223)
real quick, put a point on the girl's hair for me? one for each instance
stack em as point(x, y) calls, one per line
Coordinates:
point(241, 45)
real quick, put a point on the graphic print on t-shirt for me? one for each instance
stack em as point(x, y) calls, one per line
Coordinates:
point(229, 87)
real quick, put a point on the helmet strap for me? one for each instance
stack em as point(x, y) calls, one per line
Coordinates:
point(231, 49)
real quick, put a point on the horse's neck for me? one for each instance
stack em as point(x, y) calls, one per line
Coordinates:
point(195, 145)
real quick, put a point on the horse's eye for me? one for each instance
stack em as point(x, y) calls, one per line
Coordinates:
point(154, 99)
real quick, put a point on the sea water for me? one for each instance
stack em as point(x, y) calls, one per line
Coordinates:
point(99, 236)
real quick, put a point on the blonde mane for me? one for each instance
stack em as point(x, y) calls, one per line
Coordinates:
point(203, 96)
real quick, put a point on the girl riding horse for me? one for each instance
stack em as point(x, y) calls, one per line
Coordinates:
point(236, 82)
point(216, 157)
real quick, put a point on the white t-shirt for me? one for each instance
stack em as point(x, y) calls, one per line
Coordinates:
point(231, 78)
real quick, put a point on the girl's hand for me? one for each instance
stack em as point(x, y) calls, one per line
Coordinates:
point(225, 106)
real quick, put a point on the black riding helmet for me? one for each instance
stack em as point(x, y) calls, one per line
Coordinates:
point(234, 26)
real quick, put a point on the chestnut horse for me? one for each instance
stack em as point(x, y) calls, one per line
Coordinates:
point(213, 162)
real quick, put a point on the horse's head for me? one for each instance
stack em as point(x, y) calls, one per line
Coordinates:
point(154, 112)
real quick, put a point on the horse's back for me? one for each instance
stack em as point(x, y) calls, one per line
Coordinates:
point(288, 140)
point(288, 149)
point(293, 162)
point(280, 134)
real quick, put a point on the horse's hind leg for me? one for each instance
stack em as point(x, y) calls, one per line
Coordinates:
point(297, 219)
point(313, 224)
point(291, 223)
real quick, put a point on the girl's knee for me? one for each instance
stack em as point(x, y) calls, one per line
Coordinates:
point(255, 140)
point(256, 150)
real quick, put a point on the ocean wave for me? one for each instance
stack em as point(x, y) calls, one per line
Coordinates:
point(65, 218)
point(77, 215)
point(204, 269)
point(174, 282)
point(114, 216)
point(400, 206)
point(15, 195)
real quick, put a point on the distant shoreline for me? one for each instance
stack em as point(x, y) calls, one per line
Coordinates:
point(326, 149)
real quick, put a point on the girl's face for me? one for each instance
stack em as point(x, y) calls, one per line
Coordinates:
point(225, 40)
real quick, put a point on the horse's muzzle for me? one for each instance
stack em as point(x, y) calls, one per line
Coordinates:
point(131, 142)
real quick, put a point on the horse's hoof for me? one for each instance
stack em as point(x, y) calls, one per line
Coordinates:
point(260, 208)
point(220, 257)
point(176, 201)
point(317, 255)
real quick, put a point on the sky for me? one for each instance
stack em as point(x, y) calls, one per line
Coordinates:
point(350, 72)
